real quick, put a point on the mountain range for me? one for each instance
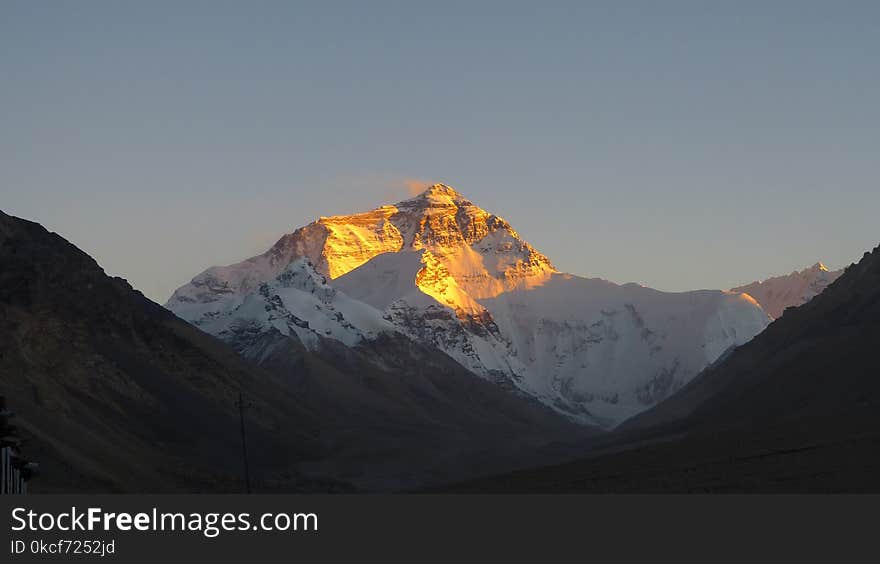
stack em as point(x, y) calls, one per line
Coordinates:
point(449, 275)
point(417, 344)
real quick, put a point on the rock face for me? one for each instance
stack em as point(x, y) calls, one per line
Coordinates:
point(446, 273)
point(792, 290)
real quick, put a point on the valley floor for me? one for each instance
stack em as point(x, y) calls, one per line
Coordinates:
point(711, 463)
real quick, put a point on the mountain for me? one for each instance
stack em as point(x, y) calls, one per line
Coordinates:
point(481, 250)
point(795, 409)
point(815, 361)
point(446, 274)
point(781, 292)
point(112, 392)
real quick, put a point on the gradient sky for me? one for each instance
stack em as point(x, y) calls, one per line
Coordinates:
point(681, 145)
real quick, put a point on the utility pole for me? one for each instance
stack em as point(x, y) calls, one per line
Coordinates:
point(244, 453)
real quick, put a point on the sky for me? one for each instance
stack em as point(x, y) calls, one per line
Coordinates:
point(680, 145)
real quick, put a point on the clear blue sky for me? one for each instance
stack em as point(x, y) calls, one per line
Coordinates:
point(677, 144)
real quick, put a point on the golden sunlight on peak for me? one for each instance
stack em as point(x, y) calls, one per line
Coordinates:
point(439, 189)
point(423, 188)
point(749, 298)
point(435, 280)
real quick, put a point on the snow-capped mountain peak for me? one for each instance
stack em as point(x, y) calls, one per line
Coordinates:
point(298, 302)
point(437, 194)
point(444, 272)
point(481, 251)
point(791, 290)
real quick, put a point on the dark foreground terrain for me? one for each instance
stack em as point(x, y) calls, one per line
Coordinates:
point(797, 409)
point(787, 461)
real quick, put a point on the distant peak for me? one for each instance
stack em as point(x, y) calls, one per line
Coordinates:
point(815, 268)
